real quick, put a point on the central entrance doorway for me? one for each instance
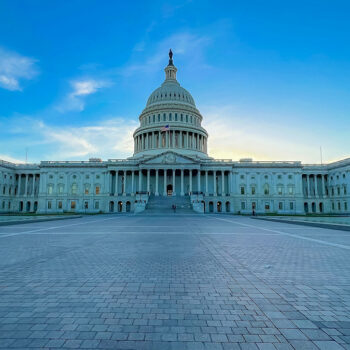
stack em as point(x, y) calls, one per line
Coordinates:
point(169, 190)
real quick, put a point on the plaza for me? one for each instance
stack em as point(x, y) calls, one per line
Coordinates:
point(173, 281)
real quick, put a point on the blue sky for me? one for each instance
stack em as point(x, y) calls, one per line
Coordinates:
point(271, 78)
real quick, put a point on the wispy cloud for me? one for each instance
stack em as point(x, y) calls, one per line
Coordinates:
point(80, 89)
point(8, 158)
point(183, 44)
point(111, 138)
point(14, 68)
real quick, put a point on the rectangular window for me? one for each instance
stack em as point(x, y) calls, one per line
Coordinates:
point(72, 204)
point(332, 205)
point(345, 206)
point(291, 190)
point(253, 205)
point(59, 205)
point(97, 190)
point(253, 190)
point(176, 117)
point(280, 205)
point(242, 190)
point(49, 205)
point(87, 190)
point(243, 205)
point(339, 206)
point(291, 205)
point(279, 190)
point(267, 206)
point(86, 205)
point(97, 205)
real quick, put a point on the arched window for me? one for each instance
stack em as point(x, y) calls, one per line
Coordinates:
point(60, 188)
point(74, 188)
point(266, 189)
point(49, 188)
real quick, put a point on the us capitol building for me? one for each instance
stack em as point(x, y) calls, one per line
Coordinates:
point(171, 165)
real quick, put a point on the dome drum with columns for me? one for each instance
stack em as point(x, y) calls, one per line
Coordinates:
point(170, 165)
point(170, 121)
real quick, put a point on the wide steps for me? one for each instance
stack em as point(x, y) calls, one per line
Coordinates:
point(163, 204)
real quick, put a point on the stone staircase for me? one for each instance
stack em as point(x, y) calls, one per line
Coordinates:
point(163, 204)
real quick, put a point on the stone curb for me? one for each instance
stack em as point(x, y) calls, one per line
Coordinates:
point(307, 223)
point(8, 223)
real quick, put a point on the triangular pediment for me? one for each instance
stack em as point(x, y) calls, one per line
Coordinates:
point(170, 158)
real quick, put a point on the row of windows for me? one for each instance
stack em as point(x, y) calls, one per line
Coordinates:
point(51, 176)
point(73, 205)
point(337, 177)
point(170, 117)
point(339, 206)
point(267, 206)
point(266, 177)
point(74, 189)
point(3, 205)
point(174, 95)
point(266, 190)
point(338, 190)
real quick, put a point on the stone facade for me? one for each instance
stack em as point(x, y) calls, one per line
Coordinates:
point(170, 158)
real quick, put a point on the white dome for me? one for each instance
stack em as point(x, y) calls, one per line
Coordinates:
point(170, 92)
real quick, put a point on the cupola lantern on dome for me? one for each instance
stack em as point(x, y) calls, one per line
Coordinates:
point(170, 70)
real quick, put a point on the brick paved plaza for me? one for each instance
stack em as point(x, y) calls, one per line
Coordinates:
point(174, 282)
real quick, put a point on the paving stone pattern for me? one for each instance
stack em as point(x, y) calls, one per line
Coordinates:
point(173, 282)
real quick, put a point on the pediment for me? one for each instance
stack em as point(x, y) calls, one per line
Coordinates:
point(170, 158)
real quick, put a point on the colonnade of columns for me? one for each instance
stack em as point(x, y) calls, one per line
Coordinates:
point(119, 181)
point(29, 186)
point(170, 139)
point(313, 188)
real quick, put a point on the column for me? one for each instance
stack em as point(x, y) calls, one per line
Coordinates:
point(148, 180)
point(230, 186)
point(323, 186)
point(166, 139)
point(159, 139)
point(132, 181)
point(164, 185)
point(199, 181)
point(174, 139)
point(146, 145)
point(157, 180)
point(26, 186)
point(174, 183)
point(19, 184)
point(140, 180)
point(316, 190)
point(308, 185)
point(182, 182)
point(180, 139)
point(223, 183)
point(110, 177)
point(124, 192)
point(116, 183)
point(214, 181)
point(33, 185)
point(206, 183)
point(190, 181)
point(188, 140)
